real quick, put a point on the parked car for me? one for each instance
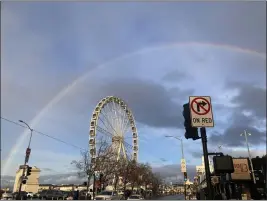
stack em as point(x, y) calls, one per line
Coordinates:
point(83, 195)
point(7, 195)
point(108, 195)
point(23, 195)
point(52, 194)
point(30, 194)
point(135, 197)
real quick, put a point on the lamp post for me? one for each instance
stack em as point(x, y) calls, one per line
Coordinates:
point(182, 148)
point(245, 134)
point(26, 156)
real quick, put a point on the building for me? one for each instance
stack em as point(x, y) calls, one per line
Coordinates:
point(45, 187)
point(32, 184)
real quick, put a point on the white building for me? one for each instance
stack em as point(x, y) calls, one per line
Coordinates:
point(32, 184)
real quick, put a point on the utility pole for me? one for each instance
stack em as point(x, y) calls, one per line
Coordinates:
point(182, 149)
point(249, 155)
point(93, 185)
point(206, 161)
point(28, 151)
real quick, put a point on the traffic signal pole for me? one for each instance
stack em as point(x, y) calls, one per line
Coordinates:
point(22, 177)
point(27, 155)
point(206, 161)
point(185, 179)
point(94, 185)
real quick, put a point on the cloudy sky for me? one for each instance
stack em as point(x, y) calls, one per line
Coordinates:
point(59, 59)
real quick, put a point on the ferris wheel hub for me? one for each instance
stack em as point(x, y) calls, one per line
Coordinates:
point(117, 139)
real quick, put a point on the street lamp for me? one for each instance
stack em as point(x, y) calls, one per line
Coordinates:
point(245, 134)
point(28, 151)
point(182, 148)
point(181, 140)
point(29, 129)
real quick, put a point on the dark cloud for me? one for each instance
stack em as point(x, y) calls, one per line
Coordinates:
point(231, 136)
point(172, 171)
point(175, 76)
point(197, 154)
point(168, 171)
point(250, 98)
point(177, 92)
point(150, 102)
point(47, 169)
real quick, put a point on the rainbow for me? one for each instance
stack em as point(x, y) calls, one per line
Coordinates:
point(72, 85)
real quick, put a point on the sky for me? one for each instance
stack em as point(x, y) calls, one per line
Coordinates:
point(59, 59)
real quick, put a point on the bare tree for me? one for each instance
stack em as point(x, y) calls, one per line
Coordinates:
point(84, 167)
point(104, 163)
point(126, 169)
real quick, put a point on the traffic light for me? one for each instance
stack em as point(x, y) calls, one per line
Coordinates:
point(257, 163)
point(190, 132)
point(29, 170)
point(185, 176)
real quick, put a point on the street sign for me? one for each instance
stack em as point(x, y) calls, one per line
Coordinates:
point(28, 152)
point(200, 169)
point(201, 111)
point(27, 156)
point(183, 165)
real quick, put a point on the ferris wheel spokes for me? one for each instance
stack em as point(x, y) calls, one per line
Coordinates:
point(114, 119)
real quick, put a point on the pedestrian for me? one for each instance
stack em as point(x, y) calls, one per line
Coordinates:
point(76, 194)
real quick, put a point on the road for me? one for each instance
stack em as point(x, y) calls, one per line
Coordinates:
point(172, 197)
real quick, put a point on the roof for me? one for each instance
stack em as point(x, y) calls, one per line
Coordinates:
point(46, 185)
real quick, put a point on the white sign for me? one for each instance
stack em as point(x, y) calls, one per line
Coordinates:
point(200, 169)
point(201, 111)
point(183, 165)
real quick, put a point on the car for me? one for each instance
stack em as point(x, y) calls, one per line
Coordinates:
point(7, 196)
point(30, 194)
point(52, 195)
point(108, 195)
point(23, 195)
point(135, 197)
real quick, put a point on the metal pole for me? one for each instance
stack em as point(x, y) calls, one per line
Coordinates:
point(30, 138)
point(206, 161)
point(87, 186)
point(182, 148)
point(249, 155)
point(94, 185)
point(185, 174)
point(25, 161)
point(22, 176)
point(185, 177)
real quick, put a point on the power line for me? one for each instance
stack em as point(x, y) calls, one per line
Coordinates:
point(41, 133)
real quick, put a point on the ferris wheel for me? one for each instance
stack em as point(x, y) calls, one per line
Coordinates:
point(113, 120)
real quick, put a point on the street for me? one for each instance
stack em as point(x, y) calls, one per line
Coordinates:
point(172, 197)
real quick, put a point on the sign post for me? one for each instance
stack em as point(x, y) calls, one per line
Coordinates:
point(201, 116)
